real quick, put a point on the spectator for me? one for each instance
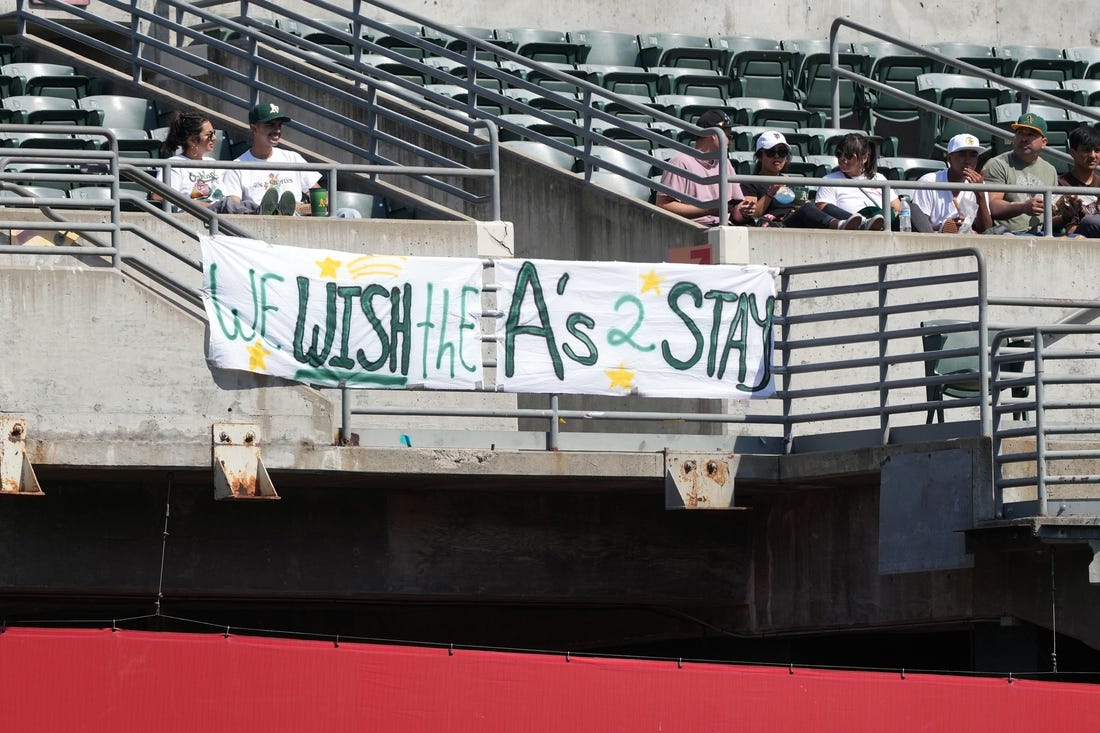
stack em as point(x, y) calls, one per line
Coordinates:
point(857, 159)
point(1021, 213)
point(273, 191)
point(192, 134)
point(777, 203)
point(953, 211)
point(1081, 214)
point(702, 168)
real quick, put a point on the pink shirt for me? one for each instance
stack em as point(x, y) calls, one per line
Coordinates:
point(700, 191)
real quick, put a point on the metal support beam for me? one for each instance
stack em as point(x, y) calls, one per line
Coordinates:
point(239, 472)
point(16, 473)
point(698, 481)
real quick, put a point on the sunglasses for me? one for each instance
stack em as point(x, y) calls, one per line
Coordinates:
point(208, 136)
point(777, 152)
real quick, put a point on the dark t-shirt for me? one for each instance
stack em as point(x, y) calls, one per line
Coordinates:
point(779, 211)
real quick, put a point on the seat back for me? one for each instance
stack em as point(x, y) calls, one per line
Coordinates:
point(968, 95)
point(1086, 60)
point(1035, 62)
point(974, 54)
point(367, 205)
point(610, 48)
point(680, 49)
point(117, 110)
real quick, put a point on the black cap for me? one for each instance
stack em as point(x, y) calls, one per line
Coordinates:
point(714, 118)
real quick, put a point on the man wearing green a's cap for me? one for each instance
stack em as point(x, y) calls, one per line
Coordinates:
point(270, 190)
point(1021, 213)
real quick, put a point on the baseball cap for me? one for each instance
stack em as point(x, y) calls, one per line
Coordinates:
point(964, 141)
point(770, 139)
point(266, 112)
point(1032, 122)
point(714, 118)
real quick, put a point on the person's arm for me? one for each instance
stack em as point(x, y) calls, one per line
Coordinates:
point(683, 208)
point(1001, 209)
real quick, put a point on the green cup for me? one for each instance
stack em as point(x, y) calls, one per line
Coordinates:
point(318, 201)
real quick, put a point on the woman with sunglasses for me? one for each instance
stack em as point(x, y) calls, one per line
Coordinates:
point(857, 159)
point(771, 203)
point(192, 134)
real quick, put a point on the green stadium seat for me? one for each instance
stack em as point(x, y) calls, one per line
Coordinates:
point(974, 54)
point(908, 169)
point(608, 48)
point(367, 205)
point(48, 110)
point(1087, 60)
point(898, 68)
point(543, 153)
point(542, 45)
point(759, 66)
point(776, 113)
point(680, 49)
point(697, 82)
point(1086, 92)
point(1035, 62)
point(969, 95)
point(117, 110)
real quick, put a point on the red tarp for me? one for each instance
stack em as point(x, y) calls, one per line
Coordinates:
point(103, 680)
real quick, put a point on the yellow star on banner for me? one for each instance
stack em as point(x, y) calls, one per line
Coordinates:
point(652, 281)
point(256, 355)
point(620, 377)
point(328, 267)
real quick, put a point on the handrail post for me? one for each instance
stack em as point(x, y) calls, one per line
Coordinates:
point(834, 79)
point(1040, 426)
point(553, 439)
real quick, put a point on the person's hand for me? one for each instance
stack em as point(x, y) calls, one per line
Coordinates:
point(1034, 206)
point(972, 176)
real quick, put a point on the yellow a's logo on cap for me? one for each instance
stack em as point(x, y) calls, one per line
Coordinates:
point(1029, 119)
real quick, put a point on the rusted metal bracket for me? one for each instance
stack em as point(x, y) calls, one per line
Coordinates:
point(16, 473)
point(698, 481)
point(239, 472)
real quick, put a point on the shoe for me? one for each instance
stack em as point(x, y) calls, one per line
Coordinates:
point(288, 205)
point(874, 224)
point(855, 221)
point(270, 202)
point(949, 226)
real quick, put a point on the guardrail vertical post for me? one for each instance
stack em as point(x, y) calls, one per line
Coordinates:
point(553, 435)
point(1040, 428)
point(883, 367)
point(345, 415)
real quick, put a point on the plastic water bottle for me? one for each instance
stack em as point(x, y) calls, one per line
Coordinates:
point(905, 224)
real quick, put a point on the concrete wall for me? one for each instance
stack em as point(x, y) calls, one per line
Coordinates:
point(1061, 23)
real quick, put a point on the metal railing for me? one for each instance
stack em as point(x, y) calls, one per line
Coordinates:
point(866, 375)
point(257, 35)
point(267, 62)
point(1045, 466)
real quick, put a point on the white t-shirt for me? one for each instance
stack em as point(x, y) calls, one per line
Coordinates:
point(852, 199)
point(250, 185)
point(938, 204)
point(201, 184)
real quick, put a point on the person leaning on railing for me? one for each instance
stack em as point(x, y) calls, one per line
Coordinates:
point(272, 191)
point(778, 204)
point(1081, 214)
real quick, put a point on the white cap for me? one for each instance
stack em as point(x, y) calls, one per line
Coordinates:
point(964, 141)
point(770, 139)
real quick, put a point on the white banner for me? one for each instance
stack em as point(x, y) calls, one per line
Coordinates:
point(328, 318)
point(614, 328)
